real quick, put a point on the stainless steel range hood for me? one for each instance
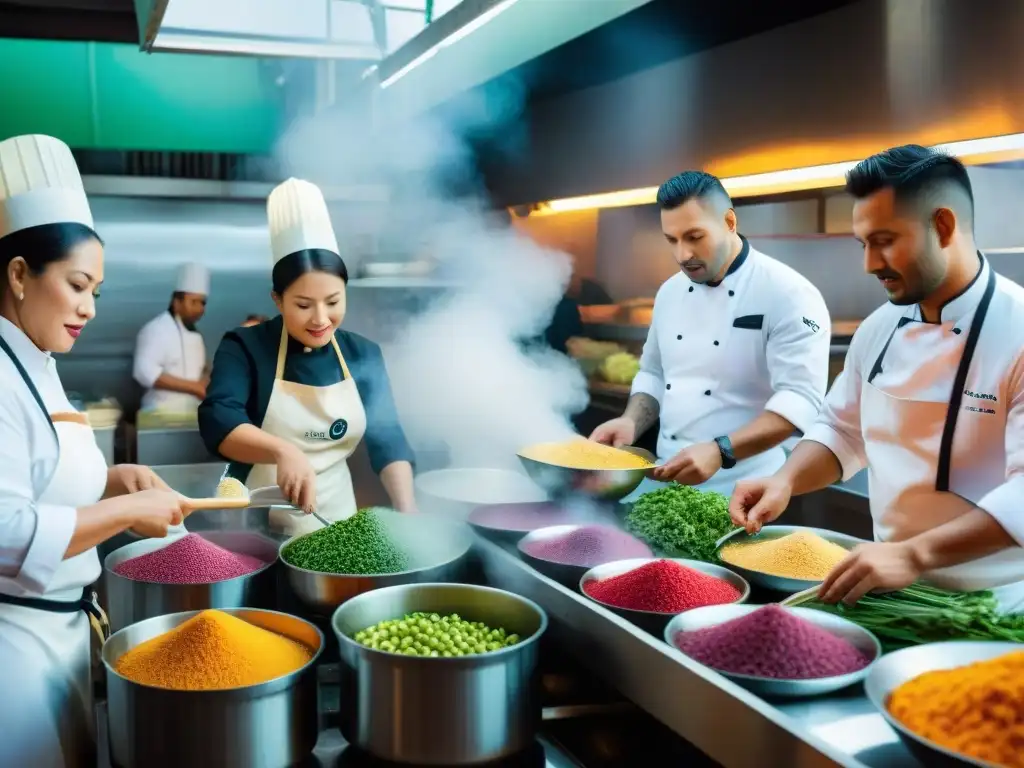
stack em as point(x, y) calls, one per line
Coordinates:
point(326, 29)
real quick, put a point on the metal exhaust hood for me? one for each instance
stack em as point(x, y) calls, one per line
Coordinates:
point(325, 29)
point(478, 40)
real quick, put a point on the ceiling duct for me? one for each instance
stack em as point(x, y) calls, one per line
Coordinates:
point(324, 29)
point(478, 40)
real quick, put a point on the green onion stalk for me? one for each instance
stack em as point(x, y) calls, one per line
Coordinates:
point(923, 614)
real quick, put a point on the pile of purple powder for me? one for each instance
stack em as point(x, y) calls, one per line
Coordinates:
point(587, 546)
point(522, 517)
point(189, 560)
point(772, 642)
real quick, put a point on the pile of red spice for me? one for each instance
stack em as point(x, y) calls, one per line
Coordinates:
point(772, 642)
point(587, 546)
point(662, 586)
point(189, 560)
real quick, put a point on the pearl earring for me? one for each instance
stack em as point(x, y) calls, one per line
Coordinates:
point(21, 297)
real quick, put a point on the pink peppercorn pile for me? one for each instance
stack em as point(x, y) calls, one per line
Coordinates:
point(772, 642)
point(662, 586)
point(189, 560)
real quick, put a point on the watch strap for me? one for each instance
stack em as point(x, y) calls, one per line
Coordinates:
point(725, 448)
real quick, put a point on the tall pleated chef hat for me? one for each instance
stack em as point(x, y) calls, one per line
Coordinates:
point(193, 278)
point(40, 184)
point(298, 219)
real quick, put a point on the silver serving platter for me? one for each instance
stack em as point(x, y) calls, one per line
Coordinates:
point(564, 573)
point(655, 621)
point(607, 484)
point(900, 666)
point(769, 532)
point(860, 638)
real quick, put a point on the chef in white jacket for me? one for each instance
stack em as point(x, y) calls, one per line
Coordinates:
point(58, 499)
point(737, 354)
point(170, 356)
point(931, 400)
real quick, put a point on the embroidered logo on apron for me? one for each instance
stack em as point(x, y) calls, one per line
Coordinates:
point(337, 431)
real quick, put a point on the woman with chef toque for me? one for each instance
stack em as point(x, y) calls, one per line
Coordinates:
point(58, 499)
point(290, 399)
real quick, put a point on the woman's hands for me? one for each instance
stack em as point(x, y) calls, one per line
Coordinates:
point(296, 478)
point(132, 478)
point(154, 511)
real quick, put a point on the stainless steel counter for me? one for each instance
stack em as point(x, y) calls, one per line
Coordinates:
point(155, 447)
point(732, 726)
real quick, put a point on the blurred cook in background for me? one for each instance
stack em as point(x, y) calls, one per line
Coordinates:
point(290, 399)
point(930, 400)
point(170, 356)
point(737, 354)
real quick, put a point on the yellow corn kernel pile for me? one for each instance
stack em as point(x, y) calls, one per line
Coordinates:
point(801, 555)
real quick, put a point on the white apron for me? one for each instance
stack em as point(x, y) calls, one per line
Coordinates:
point(327, 424)
point(46, 710)
point(913, 448)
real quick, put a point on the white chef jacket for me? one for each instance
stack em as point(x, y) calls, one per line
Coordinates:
point(33, 536)
point(718, 356)
point(919, 364)
point(165, 345)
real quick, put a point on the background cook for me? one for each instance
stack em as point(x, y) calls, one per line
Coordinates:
point(737, 353)
point(170, 356)
point(291, 398)
point(931, 399)
point(58, 499)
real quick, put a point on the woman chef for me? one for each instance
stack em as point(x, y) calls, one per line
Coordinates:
point(290, 399)
point(58, 500)
point(931, 400)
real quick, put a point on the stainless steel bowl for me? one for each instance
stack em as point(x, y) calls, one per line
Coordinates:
point(438, 711)
point(129, 601)
point(455, 492)
point(436, 548)
point(545, 511)
point(900, 666)
point(564, 573)
point(607, 484)
point(769, 532)
point(271, 725)
point(655, 621)
point(713, 615)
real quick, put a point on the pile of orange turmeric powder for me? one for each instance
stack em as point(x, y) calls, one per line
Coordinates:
point(976, 711)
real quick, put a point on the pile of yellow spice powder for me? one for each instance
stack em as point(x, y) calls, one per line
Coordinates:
point(584, 454)
point(212, 651)
point(801, 555)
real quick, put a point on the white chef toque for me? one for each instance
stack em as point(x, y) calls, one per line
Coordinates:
point(193, 278)
point(40, 184)
point(298, 219)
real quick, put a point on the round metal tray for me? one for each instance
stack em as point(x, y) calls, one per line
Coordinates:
point(768, 533)
point(860, 638)
point(655, 621)
point(548, 514)
point(607, 484)
point(900, 666)
point(564, 573)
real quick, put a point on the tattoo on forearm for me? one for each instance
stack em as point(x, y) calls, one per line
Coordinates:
point(643, 410)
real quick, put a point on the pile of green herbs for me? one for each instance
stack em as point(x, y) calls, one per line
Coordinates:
point(680, 521)
point(359, 545)
point(924, 614)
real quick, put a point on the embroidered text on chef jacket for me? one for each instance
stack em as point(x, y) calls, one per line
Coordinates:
point(986, 465)
point(717, 356)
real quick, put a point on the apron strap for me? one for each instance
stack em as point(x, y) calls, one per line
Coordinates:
point(87, 603)
point(282, 353)
point(959, 381)
point(28, 383)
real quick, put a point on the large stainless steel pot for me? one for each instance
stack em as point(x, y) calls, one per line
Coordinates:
point(129, 601)
point(440, 711)
point(437, 550)
point(271, 725)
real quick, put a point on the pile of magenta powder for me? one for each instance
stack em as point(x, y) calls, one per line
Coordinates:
point(522, 517)
point(662, 586)
point(774, 643)
point(189, 560)
point(587, 546)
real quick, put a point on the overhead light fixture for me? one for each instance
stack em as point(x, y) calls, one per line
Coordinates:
point(993, 149)
point(466, 29)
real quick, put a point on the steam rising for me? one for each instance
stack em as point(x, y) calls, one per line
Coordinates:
point(460, 373)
